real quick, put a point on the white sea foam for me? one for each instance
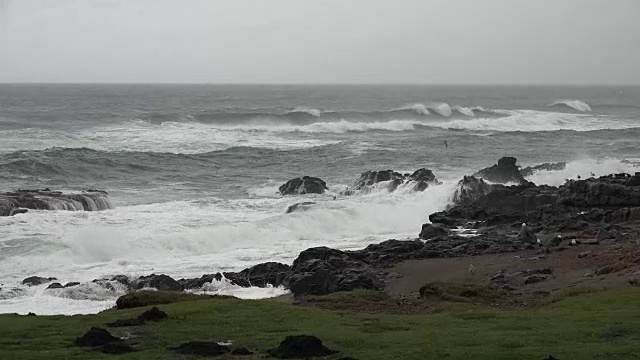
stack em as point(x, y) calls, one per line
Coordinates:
point(307, 110)
point(574, 104)
point(191, 238)
point(583, 168)
point(531, 121)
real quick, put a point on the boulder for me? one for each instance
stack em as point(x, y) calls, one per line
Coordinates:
point(430, 231)
point(197, 283)
point(160, 282)
point(303, 206)
point(270, 273)
point(505, 171)
point(55, 285)
point(37, 280)
point(300, 347)
point(303, 185)
point(420, 180)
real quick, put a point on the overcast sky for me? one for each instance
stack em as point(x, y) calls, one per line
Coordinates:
point(321, 41)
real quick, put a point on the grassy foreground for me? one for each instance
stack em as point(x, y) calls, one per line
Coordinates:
point(603, 325)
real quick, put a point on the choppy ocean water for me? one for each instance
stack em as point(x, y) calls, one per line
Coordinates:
point(193, 171)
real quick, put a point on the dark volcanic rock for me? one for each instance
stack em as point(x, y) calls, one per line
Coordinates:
point(96, 337)
point(420, 179)
point(161, 282)
point(270, 273)
point(55, 285)
point(300, 347)
point(303, 206)
point(606, 191)
point(303, 185)
point(37, 280)
point(505, 171)
point(16, 211)
point(430, 231)
point(470, 189)
point(12, 203)
point(71, 284)
point(321, 270)
point(202, 348)
point(197, 283)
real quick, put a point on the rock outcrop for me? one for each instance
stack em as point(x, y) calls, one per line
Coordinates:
point(505, 171)
point(418, 181)
point(18, 202)
point(303, 185)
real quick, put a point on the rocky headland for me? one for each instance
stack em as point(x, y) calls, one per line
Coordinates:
point(494, 211)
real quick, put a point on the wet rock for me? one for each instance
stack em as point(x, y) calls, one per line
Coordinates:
point(202, 348)
point(423, 179)
point(161, 282)
point(303, 206)
point(303, 185)
point(470, 189)
point(37, 280)
point(321, 270)
point(241, 351)
point(605, 191)
point(300, 347)
point(20, 201)
point(270, 273)
point(96, 337)
point(197, 283)
point(16, 211)
point(419, 180)
point(430, 231)
point(55, 285)
point(71, 284)
point(505, 171)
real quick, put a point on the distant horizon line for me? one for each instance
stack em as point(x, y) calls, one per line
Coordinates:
point(323, 84)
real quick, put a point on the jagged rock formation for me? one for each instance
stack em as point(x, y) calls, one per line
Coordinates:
point(12, 203)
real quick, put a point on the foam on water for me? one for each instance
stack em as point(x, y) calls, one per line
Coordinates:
point(583, 168)
point(191, 238)
point(531, 121)
point(574, 104)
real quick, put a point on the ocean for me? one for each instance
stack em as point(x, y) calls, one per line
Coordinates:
point(193, 170)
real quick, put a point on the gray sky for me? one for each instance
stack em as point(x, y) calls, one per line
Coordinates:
point(321, 41)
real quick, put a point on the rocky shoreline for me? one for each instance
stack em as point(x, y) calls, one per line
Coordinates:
point(494, 211)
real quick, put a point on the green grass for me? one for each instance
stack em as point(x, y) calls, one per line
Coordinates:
point(603, 325)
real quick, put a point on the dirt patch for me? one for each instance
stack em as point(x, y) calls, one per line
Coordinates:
point(573, 269)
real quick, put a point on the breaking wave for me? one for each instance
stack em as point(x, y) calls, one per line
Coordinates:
point(533, 121)
point(573, 104)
